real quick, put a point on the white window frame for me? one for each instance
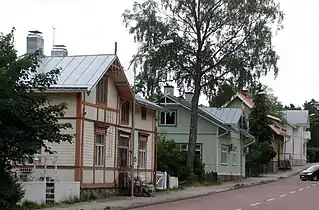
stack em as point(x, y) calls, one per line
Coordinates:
point(99, 150)
point(224, 149)
point(165, 114)
point(142, 152)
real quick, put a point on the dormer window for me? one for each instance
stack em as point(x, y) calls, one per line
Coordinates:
point(125, 113)
point(101, 88)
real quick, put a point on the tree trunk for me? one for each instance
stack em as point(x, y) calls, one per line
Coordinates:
point(193, 128)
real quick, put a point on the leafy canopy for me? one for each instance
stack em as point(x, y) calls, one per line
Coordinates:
point(28, 121)
point(215, 41)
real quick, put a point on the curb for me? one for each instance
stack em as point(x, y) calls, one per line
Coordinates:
point(206, 194)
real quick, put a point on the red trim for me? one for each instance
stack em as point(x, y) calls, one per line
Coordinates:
point(77, 172)
point(82, 138)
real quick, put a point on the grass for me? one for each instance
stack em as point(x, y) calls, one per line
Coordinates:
point(29, 205)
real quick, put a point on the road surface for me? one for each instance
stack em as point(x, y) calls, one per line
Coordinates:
point(289, 194)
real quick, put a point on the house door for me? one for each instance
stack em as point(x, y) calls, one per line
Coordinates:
point(123, 160)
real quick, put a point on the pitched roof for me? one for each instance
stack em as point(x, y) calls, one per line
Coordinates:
point(297, 117)
point(228, 115)
point(201, 112)
point(83, 72)
point(245, 99)
point(79, 71)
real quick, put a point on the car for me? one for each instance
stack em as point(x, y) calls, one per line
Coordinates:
point(311, 173)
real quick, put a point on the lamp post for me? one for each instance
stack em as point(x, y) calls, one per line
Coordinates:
point(165, 42)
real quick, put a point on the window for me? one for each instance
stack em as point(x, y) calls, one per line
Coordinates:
point(102, 91)
point(142, 145)
point(168, 118)
point(198, 149)
point(224, 154)
point(125, 113)
point(143, 113)
point(99, 149)
point(123, 151)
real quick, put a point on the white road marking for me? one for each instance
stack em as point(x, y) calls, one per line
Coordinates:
point(308, 186)
point(283, 195)
point(270, 199)
point(292, 192)
point(301, 189)
point(313, 184)
point(255, 204)
point(238, 209)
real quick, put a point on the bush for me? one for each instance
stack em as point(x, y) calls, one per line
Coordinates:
point(10, 191)
point(172, 160)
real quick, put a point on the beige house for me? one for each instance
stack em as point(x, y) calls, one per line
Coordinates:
point(99, 100)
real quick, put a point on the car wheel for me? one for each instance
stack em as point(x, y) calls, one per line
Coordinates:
point(315, 178)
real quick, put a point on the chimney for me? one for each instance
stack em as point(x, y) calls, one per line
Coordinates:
point(189, 96)
point(59, 51)
point(169, 90)
point(244, 91)
point(35, 42)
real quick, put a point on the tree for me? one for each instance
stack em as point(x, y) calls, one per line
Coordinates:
point(28, 121)
point(261, 152)
point(223, 95)
point(215, 41)
point(312, 107)
point(292, 107)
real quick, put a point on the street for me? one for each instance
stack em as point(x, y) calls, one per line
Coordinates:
point(290, 194)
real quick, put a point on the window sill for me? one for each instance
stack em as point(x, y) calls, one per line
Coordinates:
point(224, 164)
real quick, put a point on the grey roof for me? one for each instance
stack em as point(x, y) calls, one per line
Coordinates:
point(228, 115)
point(82, 72)
point(79, 71)
point(297, 117)
point(143, 102)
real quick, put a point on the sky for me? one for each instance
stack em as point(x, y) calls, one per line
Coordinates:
point(92, 27)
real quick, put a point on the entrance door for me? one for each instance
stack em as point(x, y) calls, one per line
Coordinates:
point(123, 159)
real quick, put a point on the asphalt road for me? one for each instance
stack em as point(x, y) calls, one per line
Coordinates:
point(290, 194)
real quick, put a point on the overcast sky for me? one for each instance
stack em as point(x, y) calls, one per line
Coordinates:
point(92, 27)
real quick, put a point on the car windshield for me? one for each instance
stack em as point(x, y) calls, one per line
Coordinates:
point(312, 168)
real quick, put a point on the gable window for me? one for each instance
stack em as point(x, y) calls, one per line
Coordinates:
point(143, 113)
point(224, 154)
point(168, 118)
point(125, 113)
point(142, 145)
point(101, 89)
point(99, 149)
point(123, 151)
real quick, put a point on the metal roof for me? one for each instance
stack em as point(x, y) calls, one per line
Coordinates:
point(79, 71)
point(143, 102)
point(297, 117)
point(228, 115)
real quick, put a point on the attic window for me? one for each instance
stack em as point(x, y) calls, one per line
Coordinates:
point(102, 91)
point(168, 119)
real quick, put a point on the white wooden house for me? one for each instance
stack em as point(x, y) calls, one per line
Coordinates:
point(99, 100)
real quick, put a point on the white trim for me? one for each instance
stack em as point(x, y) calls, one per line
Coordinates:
point(124, 135)
point(223, 146)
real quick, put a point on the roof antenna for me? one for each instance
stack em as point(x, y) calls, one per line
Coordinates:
point(53, 41)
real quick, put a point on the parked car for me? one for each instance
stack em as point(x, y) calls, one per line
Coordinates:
point(311, 173)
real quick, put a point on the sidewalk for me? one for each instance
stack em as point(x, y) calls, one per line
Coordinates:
point(191, 192)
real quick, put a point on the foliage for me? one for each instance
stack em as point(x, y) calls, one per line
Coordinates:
point(172, 160)
point(10, 191)
point(292, 107)
point(28, 121)
point(312, 106)
point(215, 41)
point(258, 120)
point(262, 151)
point(224, 93)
